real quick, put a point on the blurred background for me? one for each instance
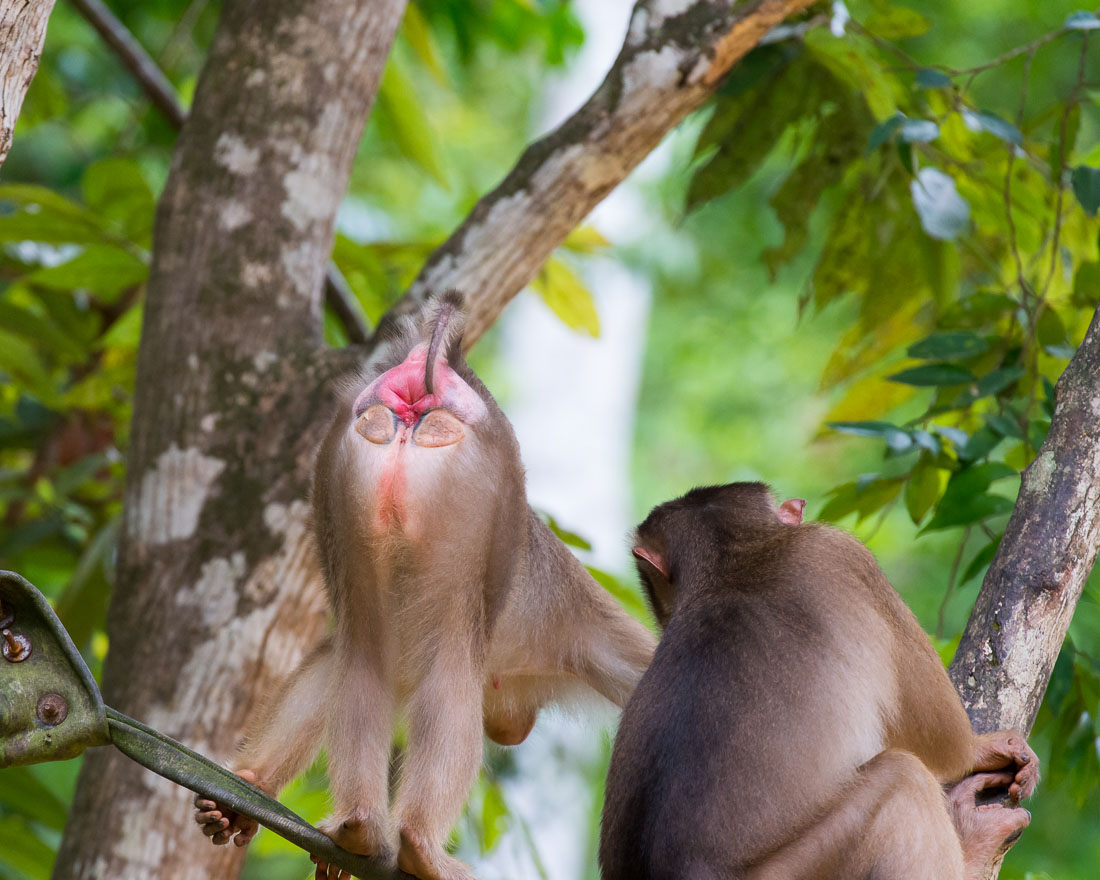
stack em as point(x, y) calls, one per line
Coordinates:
point(767, 272)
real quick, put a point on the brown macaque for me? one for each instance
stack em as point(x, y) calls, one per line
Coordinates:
point(796, 721)
point(454, 606)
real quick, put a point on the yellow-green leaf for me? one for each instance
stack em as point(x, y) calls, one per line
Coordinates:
point(567, 297)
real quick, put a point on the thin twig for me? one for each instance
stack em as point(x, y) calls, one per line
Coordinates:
point(951, 583)
point(164, 97)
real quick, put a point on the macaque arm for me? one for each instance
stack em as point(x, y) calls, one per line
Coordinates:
point(286, 736)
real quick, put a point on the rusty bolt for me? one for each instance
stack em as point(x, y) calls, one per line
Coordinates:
point(7, 615)
point(16, 647)
point(52, 709)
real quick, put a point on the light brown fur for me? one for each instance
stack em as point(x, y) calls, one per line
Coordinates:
point(454, 605)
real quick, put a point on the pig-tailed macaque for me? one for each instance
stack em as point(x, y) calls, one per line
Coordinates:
point(796, 722)
point(454, 607)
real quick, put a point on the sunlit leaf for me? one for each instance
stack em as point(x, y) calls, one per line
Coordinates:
point(919, 131)
point(897, 23)
point(494, 818)
point(115, 189)
point(404, 111)
point(567, 297)
point(850, 61)
point(993, 124)
point(943, 212)
point(924, 487)
point(106, 270)
point(1082, 21)
point(570, 539)
point(23, 851)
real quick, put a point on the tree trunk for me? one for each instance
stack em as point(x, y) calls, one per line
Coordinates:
point(1007, 653)
point(217, 594)
point(1020, 620)
point(22, 32)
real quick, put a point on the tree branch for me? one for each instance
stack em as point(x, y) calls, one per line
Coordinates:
point(22, 32)
point(164, 97)
point(667, 67)
point(1018, 624)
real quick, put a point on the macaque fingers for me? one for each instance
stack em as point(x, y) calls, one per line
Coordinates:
point(1009, 749)
point(221, 824)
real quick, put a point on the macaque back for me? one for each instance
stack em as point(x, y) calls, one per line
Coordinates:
point(788, 662)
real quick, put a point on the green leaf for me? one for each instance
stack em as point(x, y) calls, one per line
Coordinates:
point(849, 60)
point(929, 375)
point(116, 189)
point(923, 488)
point(967, 511)
point(106, 270)
point(125, 333)
point(24, 793)
point(863, 497)
point(896, 439)
point(570, 539)
point(897, 23)
point(1082, 21)
point(494, 818)
point(927, 78)
point(22, 850)
point(944, 214)
point(1086, 186)
point(981, 559)
point(412, 130)
point(949, 346)
point(981, 443)
point(993, 124)
point(567, 297)
point(1086, 285)
point(884, 131)
point(998, 380)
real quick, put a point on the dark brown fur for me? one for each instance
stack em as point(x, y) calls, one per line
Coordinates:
point(796, 721)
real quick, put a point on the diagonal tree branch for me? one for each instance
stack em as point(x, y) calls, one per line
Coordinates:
point(1018, 624)
point(673, 58)
point(22, 32)
point(160, 91)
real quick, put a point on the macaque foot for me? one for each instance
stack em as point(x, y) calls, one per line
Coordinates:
point(986, 831)
point(1009, 749)
point(429, 861)
point(361, 833)
point(220, 823)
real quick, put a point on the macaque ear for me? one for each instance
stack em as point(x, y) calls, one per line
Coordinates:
point(653, 558)
point(790, 512)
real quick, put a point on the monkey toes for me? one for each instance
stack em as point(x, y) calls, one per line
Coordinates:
point(986, 831)
point(419, 857)
point(220, 823)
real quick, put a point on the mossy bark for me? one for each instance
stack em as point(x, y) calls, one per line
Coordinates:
point(22, 32)
point(218, 594)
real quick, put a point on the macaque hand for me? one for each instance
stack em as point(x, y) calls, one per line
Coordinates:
point(1009, 749)
point(221, 824)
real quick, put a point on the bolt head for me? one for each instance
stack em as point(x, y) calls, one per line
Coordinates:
point(52, 709)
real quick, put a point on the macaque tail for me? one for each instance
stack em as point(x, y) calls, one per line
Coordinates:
point(446, 324)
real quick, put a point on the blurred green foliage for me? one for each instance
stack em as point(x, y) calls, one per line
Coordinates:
point(871, 255)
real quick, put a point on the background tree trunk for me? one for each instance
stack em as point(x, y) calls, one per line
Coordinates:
point(22, 32)
point(1026, 602)
point(217, 594)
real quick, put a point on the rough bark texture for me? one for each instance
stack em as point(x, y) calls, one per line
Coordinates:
point(1017, 627)
point(22, 32)
point(217, 595)
point(676, 52)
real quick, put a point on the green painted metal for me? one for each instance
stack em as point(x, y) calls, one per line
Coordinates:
point(54, 666)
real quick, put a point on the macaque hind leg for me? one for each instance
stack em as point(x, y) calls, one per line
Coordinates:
point(890, 823)
point(359, 733)
point(441, 764)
